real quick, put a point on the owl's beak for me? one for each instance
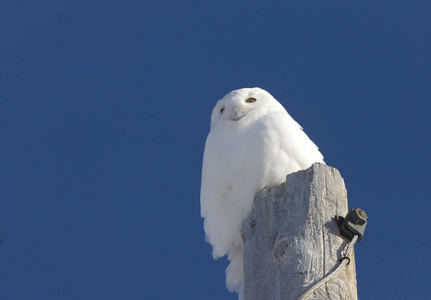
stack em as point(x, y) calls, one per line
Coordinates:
point(236, 114)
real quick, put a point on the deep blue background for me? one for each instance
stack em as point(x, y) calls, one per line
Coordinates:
point(104, 111)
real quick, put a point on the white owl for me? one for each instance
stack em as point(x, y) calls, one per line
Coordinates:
point(253, 143)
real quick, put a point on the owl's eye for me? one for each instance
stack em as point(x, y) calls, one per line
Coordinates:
point(221, 110)
point(250, 100)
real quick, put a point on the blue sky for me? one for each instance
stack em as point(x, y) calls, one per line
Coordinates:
point(105, 107)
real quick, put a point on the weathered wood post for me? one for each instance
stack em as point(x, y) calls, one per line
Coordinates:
point(291, 239)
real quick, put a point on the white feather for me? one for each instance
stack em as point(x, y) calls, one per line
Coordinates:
point(250, 146)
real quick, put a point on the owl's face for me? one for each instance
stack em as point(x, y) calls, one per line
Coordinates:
point(243, 105)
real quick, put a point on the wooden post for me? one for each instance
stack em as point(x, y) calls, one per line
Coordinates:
point(291, 239)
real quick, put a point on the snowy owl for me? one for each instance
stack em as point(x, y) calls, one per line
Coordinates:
point(253, 143)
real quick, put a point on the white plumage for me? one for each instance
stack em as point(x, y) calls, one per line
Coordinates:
point(253, 143)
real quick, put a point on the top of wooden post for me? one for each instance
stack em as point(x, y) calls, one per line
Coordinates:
point(291, 239)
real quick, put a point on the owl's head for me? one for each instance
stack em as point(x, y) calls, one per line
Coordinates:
point(244, 105)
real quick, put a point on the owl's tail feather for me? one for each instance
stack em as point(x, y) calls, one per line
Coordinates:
point(235, 271)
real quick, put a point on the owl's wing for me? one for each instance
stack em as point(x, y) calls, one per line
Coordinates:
point(295, 142)
point(231, 175)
